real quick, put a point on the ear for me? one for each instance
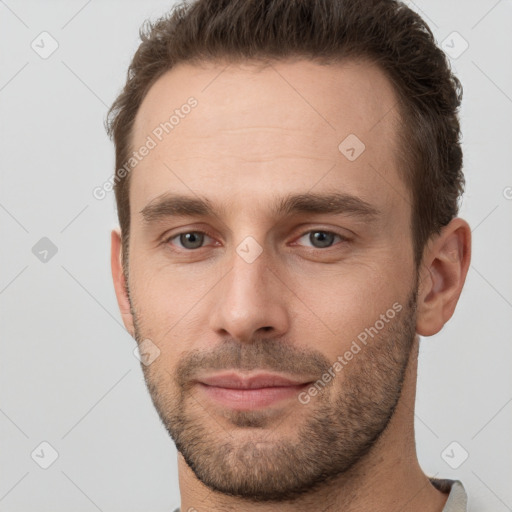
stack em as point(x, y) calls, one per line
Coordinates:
point(442, 275)
point(118, 276)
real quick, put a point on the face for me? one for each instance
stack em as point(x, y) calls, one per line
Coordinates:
point(271, 264)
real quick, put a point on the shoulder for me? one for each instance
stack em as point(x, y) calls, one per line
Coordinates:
point(457, 497)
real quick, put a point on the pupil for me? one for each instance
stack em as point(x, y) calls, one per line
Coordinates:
point(321, 238)
point(191, 240)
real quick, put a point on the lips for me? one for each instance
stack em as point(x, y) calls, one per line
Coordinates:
point(248, 392)
point(238, 381)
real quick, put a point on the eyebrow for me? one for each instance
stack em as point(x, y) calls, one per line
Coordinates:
point(174, 205)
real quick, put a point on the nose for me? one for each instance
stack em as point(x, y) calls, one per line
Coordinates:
point(250, 301)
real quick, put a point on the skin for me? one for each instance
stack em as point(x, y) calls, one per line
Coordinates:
point(257, 135)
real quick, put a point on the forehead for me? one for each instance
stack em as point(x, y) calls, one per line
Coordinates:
point(290, 124)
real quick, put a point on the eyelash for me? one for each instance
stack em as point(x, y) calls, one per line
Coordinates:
point(177, 235)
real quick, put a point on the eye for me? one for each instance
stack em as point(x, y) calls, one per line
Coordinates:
point(192, 240)
point(189, 240)
point(321, 239)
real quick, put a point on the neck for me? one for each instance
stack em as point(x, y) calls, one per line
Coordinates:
point(388, 478)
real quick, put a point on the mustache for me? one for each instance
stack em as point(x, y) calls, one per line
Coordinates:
point(262, 354)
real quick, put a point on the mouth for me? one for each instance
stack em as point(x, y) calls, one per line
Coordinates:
point(250, 391)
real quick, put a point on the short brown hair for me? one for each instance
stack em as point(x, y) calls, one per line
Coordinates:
point(384, 32)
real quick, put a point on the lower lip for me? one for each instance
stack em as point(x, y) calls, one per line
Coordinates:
point(248, 399)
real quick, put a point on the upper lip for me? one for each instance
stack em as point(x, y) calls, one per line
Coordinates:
point(252, 381)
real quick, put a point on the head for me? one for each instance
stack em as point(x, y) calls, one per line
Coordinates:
point(299, 207)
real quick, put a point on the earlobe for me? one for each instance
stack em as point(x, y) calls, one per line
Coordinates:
point(442, 275)
point(120, 281)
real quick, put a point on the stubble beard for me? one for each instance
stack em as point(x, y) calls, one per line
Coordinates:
point(241, 454)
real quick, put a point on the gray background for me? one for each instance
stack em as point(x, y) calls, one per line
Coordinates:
point(68, 375)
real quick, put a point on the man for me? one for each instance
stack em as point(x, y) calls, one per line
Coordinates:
point(287, 184)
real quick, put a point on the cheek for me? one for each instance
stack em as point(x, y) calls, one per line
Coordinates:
point(170, 308)
point(339, 305)
point(165, 292)
point(331, 304)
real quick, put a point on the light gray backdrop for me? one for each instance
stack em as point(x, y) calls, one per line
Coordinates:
point(68, 375)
